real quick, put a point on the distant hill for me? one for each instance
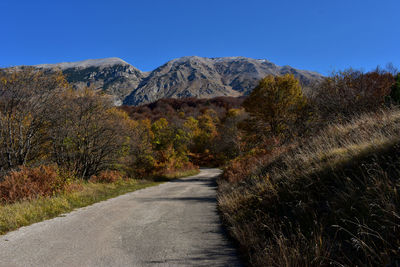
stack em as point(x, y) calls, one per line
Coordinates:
point(179, 78)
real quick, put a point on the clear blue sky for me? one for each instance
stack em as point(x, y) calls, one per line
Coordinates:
point(320, 35)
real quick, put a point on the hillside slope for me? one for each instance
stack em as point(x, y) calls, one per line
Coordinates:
point(332, 199)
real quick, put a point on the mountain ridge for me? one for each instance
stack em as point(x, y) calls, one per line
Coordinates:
point(101, 62)
point(189, 76)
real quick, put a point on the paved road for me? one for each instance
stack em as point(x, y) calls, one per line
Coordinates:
point(175, 223)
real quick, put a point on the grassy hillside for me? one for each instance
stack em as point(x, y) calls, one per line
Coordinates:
point(330, 200)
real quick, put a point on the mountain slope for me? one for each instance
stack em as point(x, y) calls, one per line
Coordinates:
point(182, 77)
point(112, 75)
point(209, 77)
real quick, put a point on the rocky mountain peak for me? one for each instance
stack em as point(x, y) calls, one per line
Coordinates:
point(190, 76)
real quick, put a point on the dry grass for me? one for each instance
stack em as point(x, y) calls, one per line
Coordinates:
point(342, 142)
point(75, 195)
point(22, 213)
point(331, 200)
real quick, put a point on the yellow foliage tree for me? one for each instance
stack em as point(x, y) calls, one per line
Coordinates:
point(276, 101)
point(207, 125)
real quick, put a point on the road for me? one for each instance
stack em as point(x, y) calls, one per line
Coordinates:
point(173, 224)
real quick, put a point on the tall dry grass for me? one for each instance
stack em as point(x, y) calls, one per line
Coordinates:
point(331, 200)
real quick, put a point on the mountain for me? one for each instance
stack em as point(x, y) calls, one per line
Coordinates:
point(112, 75)
point(182, 77)
point(209, 77)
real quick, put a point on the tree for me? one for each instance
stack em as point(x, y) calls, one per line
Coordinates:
point(207, 131)
point(163, 135)
point(25, 97)
point(88, 134)
point(276, 102)
point(141, 159)
point(228, 144)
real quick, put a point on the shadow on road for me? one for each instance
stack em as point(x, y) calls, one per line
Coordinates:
point(203, 257)
point(194, 199)
point(209, 182)
point(215, 255)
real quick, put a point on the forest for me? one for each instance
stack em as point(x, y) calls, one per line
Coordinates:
point(310, 178)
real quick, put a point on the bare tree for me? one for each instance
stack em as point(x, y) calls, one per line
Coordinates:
point(25, 94)
point(87, 132)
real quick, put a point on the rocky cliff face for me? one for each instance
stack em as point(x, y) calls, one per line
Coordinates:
point(183, 77)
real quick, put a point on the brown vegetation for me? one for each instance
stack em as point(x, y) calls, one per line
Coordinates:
point(350, 92)
point(171, 107)
point(308, 181)
point(86, 133)
point(45, 122)
point(107, 176)
point(329, 195)
point(29, 183)
point(25, 98)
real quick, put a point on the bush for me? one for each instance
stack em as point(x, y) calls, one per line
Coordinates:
point(350, 92)
point(107, 177)
point(240, 168)
point(30, 183)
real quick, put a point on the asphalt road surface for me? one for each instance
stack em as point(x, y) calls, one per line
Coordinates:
point(173, 224)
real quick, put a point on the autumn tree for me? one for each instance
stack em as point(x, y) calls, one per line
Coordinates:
point(170, 143)
point(276, 102)
point(207, 131)
point(88, 134)
point(191, 127)
point(162, 135)
point(181, 139)
point(140, 160)
point(228, 143)
point(25, 97)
